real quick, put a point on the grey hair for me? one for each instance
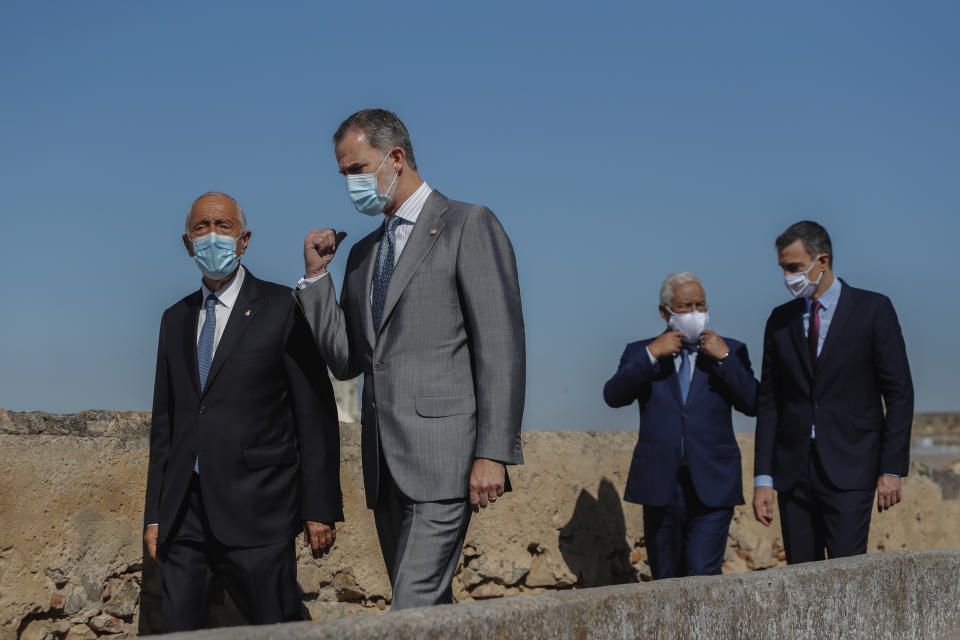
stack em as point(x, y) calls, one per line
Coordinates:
point(671, 281)
point(384, 131)
point(243, 218)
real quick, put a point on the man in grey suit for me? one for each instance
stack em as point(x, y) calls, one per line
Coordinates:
point(430, 314)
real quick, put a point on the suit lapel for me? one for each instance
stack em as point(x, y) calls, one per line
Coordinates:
point(365, 273)
point(799, 340)
point(840, 316)
point(245, 309)
point(190, 320)
point(425, 232)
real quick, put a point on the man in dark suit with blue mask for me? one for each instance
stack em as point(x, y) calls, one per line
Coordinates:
point(686, 465)
point(244, 440)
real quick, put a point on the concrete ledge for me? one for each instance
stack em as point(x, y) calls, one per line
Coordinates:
point(901, 595)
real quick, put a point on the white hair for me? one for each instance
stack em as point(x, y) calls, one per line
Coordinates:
point(671, 281)
point(243, 218)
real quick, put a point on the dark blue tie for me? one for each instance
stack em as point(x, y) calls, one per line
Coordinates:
point(205, 344)
point(383, 270)
point(685, 373)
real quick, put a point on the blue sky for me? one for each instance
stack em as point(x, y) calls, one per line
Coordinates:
point(617, 142)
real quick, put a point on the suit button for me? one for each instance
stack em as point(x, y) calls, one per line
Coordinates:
point(203, 410)
point(684, 415)
point(816, 405)
point(378, 366)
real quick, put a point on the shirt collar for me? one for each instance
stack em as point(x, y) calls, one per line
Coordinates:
point(227, 296)
point(829, 297)
point(410, 210)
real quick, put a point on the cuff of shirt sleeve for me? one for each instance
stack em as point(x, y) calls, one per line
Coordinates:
point(763, 481)
point(653, 360)
point(154, 524)
point(305, 282)
point(892, 475)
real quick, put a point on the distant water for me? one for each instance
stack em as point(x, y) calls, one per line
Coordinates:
point(927, 451)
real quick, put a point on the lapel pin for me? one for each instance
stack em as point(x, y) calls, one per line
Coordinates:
point(433, 232)
point(247, 312)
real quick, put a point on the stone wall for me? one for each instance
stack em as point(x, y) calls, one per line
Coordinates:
point(902, 595)
point(71, 500)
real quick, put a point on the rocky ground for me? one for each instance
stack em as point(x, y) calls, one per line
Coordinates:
point(71, 499)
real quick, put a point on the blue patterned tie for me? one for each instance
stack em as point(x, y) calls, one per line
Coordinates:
point(383, 270)
point(685, 373)
point(205, 349)
point(205, 344)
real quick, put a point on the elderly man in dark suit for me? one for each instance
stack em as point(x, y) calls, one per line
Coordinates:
point(244, 444)
point(686, 464)
point(835, 407)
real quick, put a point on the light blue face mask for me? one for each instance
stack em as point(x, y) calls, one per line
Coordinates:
point(216, 255)
point(364, 194)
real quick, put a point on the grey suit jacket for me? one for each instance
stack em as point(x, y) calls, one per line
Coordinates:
point(444, 378)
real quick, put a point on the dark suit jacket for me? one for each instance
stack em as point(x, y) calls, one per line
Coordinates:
point(862, 366)
point(704, 423)
point(265, 425)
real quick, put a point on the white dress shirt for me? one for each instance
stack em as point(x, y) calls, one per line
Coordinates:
point(226, 298)
point(408, 213)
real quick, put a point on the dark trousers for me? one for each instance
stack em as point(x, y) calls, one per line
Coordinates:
point(817, 517)
point(262, 581)
point(686, 538)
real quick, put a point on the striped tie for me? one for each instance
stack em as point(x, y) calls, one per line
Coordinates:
point(205, 344)
point(384, 269)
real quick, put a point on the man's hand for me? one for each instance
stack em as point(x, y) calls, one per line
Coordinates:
point(319, 248)
point(150, 537)
point(486, 482)
point(319, 536)
point(667, 344)
point(763, 505)
point(888, 492)
point(713, 345)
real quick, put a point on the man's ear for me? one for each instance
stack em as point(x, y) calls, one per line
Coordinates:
point(663, 312)
point(244, 241)
point(825, 261)
point(399, 158)
point(188, 244)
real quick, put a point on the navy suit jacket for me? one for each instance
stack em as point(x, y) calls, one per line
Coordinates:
point(862, 367)
point(704, 423)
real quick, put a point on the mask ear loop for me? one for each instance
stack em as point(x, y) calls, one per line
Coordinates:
point(396, 175)
point(819, 277)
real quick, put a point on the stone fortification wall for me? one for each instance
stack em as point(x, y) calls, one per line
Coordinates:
point(903, 595)
point(71, 500)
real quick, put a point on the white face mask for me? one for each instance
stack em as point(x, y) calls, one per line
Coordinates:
point(800, 285)
point(691, 324)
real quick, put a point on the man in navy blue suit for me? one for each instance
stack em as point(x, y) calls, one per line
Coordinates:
point(686, 465)
point(835, 405)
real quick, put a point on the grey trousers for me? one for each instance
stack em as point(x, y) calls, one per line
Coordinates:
point(421, 544)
